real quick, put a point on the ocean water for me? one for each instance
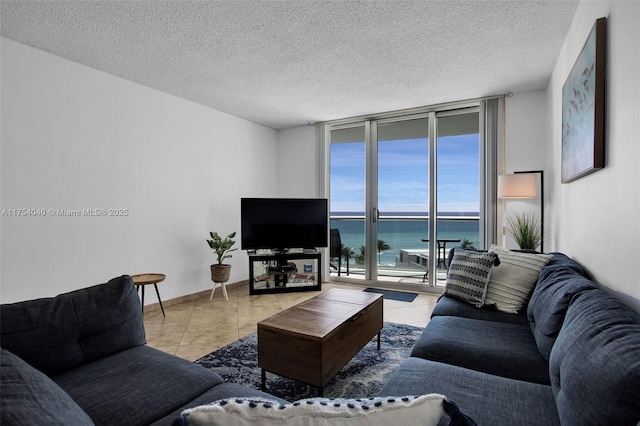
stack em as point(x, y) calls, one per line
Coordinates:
point(405, 234)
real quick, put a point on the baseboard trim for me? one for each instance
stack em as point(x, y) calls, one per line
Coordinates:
point(189, 297)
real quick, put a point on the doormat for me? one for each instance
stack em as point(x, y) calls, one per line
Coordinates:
point(401, 296)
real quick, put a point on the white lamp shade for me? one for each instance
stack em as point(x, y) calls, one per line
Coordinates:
point(519, 185)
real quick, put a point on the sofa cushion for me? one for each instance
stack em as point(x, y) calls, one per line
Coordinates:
point(487, 399)
point(143, 385)
point(557, 286)
point(595, 362)
point(513, 280)
point(60, 333)
point(468, 275)
point(449, 306)
point(29, 397)
point(506, 350)
point(422, 409)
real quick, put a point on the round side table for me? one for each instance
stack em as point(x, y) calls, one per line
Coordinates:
point(146, 279)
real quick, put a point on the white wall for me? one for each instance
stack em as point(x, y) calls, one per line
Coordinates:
point(76, 138)
point(525, 132)
point(296, 162)
point(595, 218)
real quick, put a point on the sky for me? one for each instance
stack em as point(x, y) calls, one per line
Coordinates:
point(403, 171)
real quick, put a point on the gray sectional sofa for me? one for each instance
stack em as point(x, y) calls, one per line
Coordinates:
point(80, 358)
point(571, 357)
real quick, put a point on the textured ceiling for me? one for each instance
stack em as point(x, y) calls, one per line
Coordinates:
point(285, 63)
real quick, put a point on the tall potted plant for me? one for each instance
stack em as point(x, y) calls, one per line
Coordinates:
point(222, 247)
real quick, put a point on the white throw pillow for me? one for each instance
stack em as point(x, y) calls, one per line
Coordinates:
point(512, 282)
point(388, 411)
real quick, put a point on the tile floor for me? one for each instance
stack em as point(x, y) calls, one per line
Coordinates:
point(193, 329)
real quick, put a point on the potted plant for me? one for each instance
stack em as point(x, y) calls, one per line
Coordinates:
point(525, 230)
point(222, 247)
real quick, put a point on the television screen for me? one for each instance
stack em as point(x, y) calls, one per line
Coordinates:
point(283, 223)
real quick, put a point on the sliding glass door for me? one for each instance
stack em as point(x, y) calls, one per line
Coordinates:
point(387, 177)
point(400, 198)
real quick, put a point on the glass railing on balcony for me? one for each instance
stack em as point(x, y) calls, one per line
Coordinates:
point(402, 253)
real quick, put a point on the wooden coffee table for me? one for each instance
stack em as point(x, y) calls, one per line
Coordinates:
point(312, 341)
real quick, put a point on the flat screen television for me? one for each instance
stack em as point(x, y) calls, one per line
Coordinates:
point(283, 223)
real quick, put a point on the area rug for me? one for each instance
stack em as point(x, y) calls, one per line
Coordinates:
point(402, 296)
point(364, 375)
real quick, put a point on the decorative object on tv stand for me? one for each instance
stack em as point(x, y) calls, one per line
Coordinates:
point(220, 272)
point(583, 105)
point(526, 229)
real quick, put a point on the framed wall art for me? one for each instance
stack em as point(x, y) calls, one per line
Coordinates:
point(583, 107)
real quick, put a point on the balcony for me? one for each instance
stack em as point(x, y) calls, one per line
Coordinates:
point(402, 255)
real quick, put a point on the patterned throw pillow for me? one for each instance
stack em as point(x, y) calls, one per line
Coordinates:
point(513, 281)
point(423, 410)
point(468, 275)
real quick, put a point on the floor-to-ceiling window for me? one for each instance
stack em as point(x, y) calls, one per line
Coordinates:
point(458, 183)
point(387, 176)
point(347, 198)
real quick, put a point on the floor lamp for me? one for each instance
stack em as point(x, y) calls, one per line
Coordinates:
point(524, 185)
